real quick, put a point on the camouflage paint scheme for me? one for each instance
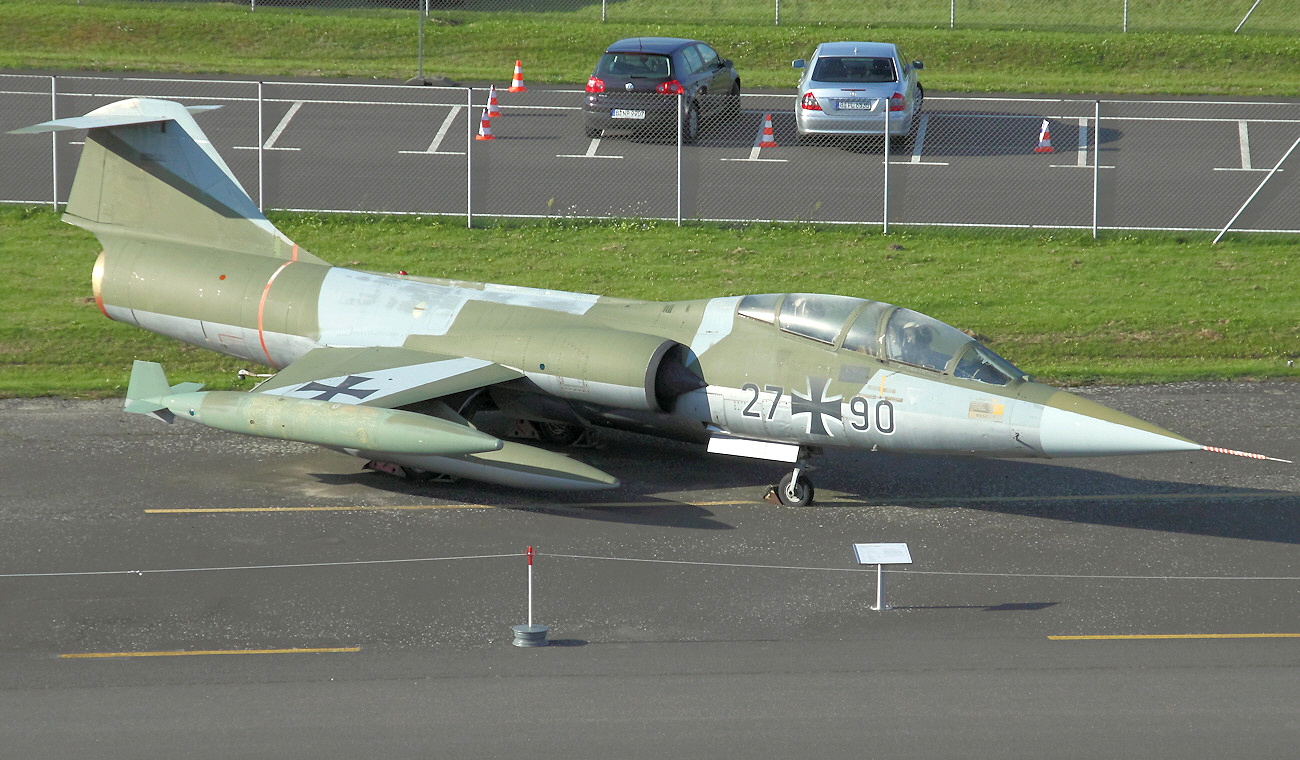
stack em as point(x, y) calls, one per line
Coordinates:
point(779, 376)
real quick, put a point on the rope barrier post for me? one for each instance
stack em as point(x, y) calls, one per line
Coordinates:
point(881, 555)
point(530, 635)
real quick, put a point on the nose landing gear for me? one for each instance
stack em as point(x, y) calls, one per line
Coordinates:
point(795, 489)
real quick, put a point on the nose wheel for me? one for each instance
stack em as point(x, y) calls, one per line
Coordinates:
point(794, 490)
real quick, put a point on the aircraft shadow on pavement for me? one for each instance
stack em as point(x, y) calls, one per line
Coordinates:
point(659, 478)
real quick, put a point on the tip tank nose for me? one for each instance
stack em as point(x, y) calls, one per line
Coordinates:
point(1072, 426)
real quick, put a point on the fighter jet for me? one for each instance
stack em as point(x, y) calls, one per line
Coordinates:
point(394, 368)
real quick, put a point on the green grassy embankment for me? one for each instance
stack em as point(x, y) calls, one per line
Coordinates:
point(1188, 49)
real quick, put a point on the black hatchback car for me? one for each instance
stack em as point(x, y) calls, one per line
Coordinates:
point(637, 82)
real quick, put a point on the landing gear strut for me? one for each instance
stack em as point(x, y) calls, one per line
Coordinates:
point(795, 489)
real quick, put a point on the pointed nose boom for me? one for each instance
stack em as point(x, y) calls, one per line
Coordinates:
point(1072, 426)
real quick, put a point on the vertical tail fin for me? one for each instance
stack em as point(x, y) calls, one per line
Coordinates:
point(148, 173)
point(148, 387)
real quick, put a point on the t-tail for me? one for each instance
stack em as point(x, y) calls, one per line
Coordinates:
point(148, 173)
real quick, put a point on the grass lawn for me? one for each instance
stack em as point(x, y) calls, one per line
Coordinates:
point(1181, 48)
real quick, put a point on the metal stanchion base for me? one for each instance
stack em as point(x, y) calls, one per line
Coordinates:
point(530, 636)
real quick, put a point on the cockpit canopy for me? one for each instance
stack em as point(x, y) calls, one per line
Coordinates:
point(881, 330)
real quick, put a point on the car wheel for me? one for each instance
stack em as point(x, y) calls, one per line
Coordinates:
point(732, 108)
point(691, 123)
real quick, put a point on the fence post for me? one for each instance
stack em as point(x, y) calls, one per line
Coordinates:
point(469, 159)
point(261, 138)
point(1096, 162)
point(54, 142)
point(885, 227)
point(681, 125)
point(1243, 20)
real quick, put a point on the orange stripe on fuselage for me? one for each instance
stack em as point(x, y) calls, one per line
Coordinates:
point(261, 308)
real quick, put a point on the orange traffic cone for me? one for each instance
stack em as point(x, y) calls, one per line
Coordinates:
point(517, 84)
point(485, 128)
point(493, 110)
point(769, 140)
point(1044, 140)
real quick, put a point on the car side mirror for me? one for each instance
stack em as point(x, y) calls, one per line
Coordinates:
point(723, 64)
point(918, 65)
point(799, 64)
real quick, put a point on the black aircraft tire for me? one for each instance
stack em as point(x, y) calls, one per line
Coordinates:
point(803, 492)
point(558, 433)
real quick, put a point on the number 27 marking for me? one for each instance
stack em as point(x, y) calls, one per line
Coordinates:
point(750, 411)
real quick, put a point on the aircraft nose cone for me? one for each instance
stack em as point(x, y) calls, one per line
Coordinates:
point(1076, 427)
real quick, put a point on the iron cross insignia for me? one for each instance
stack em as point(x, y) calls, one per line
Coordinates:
point(816, 410)
point(345, 388)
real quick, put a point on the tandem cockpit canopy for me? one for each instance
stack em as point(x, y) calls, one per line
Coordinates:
point(882, 330)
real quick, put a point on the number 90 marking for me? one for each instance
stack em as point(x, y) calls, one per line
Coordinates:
point(860, 409)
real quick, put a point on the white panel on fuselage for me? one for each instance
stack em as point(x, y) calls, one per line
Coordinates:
point(363, 309)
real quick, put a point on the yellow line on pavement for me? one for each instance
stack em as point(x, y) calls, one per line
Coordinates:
point(352, 508)
point(204, 652)
point(1139, 637)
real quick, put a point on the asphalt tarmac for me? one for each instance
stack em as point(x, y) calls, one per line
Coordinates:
point(172, 591)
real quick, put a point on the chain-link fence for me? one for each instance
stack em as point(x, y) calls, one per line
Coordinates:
point(1270, 16)
point(980, 162)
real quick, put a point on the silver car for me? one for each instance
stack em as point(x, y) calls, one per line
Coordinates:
point(854, 88)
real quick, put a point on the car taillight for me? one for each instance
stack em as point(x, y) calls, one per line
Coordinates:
point(896, 102)
point(671, 87)
point(809, 102)
point(595, 84)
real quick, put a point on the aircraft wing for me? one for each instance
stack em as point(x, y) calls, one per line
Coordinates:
point(388, 378)
point(382, 377)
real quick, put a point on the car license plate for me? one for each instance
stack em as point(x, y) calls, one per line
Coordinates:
point(856, 105)
point(625, 113)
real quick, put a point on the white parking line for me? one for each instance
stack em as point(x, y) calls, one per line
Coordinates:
point(918, 143)
point(1081, 161)
point(756, 149)
point(440, 136)
point(591, 151)
point(275, 133)
point(1243, 144)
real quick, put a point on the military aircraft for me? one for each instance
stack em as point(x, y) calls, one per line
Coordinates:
point(393, 368)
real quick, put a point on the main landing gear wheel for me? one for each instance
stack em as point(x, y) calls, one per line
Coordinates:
point(795, 490)
point(559, 433)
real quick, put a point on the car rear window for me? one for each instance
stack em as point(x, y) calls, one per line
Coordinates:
point(644, 65)
point(855, 69)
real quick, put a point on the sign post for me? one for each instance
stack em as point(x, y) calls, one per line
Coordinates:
point(530, 635)
point(881, 555)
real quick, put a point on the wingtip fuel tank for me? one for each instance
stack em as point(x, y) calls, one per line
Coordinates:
point(324, 423)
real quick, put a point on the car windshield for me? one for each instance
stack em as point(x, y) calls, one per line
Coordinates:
point(855, 69)
point(641, 65)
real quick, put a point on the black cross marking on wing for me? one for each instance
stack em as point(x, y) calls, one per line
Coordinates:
point(346, 388)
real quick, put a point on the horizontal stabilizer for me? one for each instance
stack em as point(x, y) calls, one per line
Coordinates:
point(96, 120)
point(148, 175)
